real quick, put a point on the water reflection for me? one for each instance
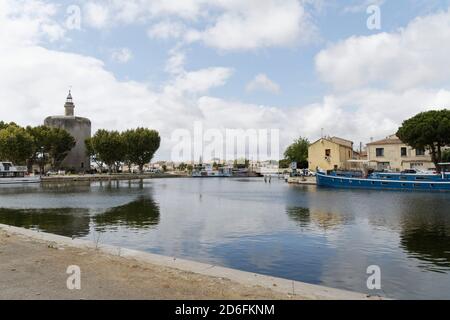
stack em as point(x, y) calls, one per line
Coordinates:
point(323, 220)
point(62, 221)
point(142, 213)
point(427, 239)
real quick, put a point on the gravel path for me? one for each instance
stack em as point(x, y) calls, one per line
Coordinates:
point(34, 269)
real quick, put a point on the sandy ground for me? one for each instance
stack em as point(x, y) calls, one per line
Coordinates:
point(32, 269)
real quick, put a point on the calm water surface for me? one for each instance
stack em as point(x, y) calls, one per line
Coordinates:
point(320, 236)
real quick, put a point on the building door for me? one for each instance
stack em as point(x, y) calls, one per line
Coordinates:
point(383, 166)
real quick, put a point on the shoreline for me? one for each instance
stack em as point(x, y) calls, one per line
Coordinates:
point(107, 177)
point(226, 283)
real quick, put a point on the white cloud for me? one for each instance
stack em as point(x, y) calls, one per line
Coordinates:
point(222, 24)
point(246, 25)
point(122, 55)
point(166, 30)
point(201, 80)
point(262, 82)
point(416, 55)
point(175, 63)
point(28, 22)
point(97, 15)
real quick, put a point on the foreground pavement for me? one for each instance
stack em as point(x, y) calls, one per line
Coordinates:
point(33, 265)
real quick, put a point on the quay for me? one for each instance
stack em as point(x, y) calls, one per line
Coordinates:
point(106, 177)
point(33, 265)
point(310, 181)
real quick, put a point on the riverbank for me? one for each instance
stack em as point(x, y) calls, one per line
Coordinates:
point(108, 177)
point(33, 266)
point(311, 181)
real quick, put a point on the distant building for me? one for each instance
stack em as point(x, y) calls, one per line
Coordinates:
point(391, 153)
point(80, 129)
point(330, 153)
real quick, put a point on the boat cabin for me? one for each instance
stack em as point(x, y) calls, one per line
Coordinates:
point(8, 170)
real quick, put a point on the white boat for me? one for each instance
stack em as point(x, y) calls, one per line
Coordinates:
point(206, 171)
point(10, 174)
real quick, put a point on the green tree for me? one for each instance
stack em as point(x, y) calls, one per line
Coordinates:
point(182, 166)
point(4, 125)
point(284, 164)
point(428, 130)
point(446, 156)
point(298, 152)
point(60, 142)
point(93, 155)
point(141, 145)
point(16, 145)
point(107, 147)
point(41, 146)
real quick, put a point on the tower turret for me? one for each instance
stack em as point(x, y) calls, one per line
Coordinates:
point(69, 106)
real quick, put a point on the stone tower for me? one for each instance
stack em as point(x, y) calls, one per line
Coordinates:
point(80, 128)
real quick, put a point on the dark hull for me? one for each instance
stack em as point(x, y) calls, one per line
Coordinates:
point(380, 184)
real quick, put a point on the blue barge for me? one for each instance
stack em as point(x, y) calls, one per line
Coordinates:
point(385, 181)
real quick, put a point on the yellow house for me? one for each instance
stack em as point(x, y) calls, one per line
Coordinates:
point(330, 153)
point(391, 153)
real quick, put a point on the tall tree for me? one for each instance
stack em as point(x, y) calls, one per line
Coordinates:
point(41, 146)
point(16, 145)
point(141, 145)
point(428, 130)
point(446, 156)
point(109, 148)
point(93, 154)
point(51, 145)
point(4, 125)
point(298, 152)
point(60, 144)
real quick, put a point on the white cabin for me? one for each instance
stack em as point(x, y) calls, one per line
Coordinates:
point(8, 170)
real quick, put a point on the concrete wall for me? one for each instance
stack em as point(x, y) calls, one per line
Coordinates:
point(80, 129)
point(338, 156)
point(392, 155)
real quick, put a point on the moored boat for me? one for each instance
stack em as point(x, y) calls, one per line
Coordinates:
point(207, 171)
point(10, 174)
point(385, 180)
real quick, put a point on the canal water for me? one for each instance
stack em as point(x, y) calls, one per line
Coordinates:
point(320, 236)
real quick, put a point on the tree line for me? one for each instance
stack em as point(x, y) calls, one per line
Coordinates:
point(111, 149)
point(30, 146)
point(44, 146)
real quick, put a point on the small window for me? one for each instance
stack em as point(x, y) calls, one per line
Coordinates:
point(380, 152)
point(327, 152)
point(420, 152)
point(403, 152)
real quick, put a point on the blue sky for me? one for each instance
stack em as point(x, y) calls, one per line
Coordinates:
point(295, 65)
point(292, 67)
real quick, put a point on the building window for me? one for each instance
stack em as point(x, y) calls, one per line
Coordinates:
point(327, 152)
point(420, 152)
point(380, 152)
point(403, 152)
